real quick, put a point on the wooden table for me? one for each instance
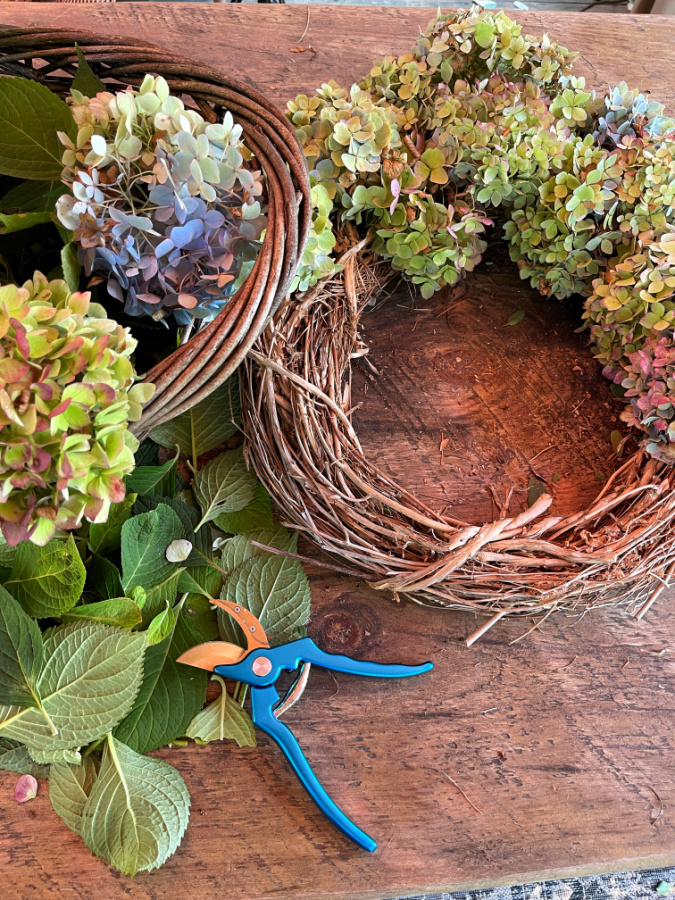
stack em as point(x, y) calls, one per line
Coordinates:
point(563, 742)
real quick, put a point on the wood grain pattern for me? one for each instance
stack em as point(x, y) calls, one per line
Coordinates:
point(564, 741)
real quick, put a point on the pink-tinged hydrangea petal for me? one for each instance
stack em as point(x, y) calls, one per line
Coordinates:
point(26, 788)
point(20, 337)
point(13, 369)
point(44, 391)
point(72, 345)
point(16, 530)
point(79, 302)
point(61, 408)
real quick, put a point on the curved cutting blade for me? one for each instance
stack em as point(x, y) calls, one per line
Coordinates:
point(253, 630)
point(214, 653)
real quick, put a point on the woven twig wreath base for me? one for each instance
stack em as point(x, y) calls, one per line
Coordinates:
point(197, 368)
point(296, 394)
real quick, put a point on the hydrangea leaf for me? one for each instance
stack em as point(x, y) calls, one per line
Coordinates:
point(70, 265)
point(161, 627)
point(137, 811)
point(21, 653)
point(258, 514)
point(223, 719)
point(189, 516)
point(14, 757)
point(48, 580)
point(7, 553)
point(276, 590)
point(239, 548)
point(71, 756)
point(200, 618)
point(118, 611)
point(224, 485)
point(144, 542)
point(170, 696)
point(69, 789)
point(30, 117)
point(205, 426)
point(89, 682)
point(21, 221)
point(103, 578)
point(32, 196)
point(105, 537)
point(86, 81)
point(154, 480)
point(160, 596)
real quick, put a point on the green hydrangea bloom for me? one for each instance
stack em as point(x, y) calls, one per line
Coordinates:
point(66, 395)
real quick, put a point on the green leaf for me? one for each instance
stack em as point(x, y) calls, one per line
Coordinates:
point(170, 697)
point(223, 719)
point(69, 789)
point(85, 81)
point(276, 590)
point(139, 595)
point(258, 514)
point(70, 265)
point(147, 454)
point(21, 653)
point(189, 584)
point(89, 681)
point(118, 611)
point(515, 317)
point(189, 516)
point(154, 480)
point(7, 553)
point(103, 578)
point(204, 427)
point(14, 757)
point(200, 619)
point(224, 485)
point(144, 542)
point(105, 537)
point(239, 548)
point(30, 117)
point(158, 597)
point(48, 580)
point(161, 627)
point(535, 489)
point(49, 757)
point(21, 221)
point(137, 812)
point(32, 196)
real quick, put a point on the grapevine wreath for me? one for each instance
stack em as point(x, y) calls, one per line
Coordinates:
point(479, 122)
point(172, 215)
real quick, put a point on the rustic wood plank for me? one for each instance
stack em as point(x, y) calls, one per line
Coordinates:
point(564, 741)
point(256, 43)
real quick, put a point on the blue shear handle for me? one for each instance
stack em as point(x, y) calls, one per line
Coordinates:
point(309, 652)
point(262, 702)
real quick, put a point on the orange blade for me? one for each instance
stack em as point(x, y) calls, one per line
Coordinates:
point(255, 633)
point(214, 653)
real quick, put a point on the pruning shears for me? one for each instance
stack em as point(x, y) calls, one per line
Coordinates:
point(259, 666)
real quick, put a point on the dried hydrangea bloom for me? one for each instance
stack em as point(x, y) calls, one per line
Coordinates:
point(649, 380)
point(481, 115)
point(66, 395)
point(165, 206)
